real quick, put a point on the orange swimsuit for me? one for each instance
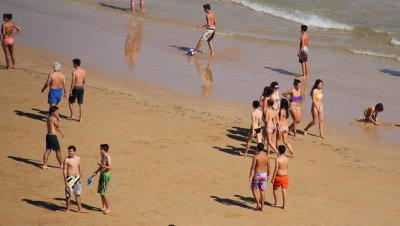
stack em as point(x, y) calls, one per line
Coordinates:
point(281, 181)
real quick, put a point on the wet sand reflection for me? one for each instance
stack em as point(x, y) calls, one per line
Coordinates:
point(206, 76)
point(133, 42)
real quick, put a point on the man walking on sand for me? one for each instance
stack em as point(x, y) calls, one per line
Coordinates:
point(51, 137)
point(210, 31)
point(280, 176)
point(105, 177)
point(7, 38)
point(72, 178)
point(77, 88)
point(56, 82)
point(258, 177)
point(303, 51)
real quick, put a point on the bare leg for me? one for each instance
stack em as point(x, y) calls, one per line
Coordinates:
point(262, 194)
point(303, 69)
point(211, 48)
point(321, 124)
point(80, 112)
point(286, 142)
point(284, 198)
point(255, 195)
point(45, 159)
point(133, 6)
point(269, 140)
point(59, 159)
point(68, 203)
point(249, 141)
point(71, 109)
point(278, 138)
point(11, 49)
point(306, 69)
point(107, 202)
point(78, 201)
point(103, 202)
point(198, 46)
point(275, 192)
point(7, 55)
point(141, 5)
point(314, 113)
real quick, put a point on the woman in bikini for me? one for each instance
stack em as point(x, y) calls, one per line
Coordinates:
point(317, 111)
point(271, 124)
point(295, 98)
point(275, 96)
point(283, 129)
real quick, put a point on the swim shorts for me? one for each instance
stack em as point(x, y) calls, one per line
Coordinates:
point(208, 35)
point(103, 183)
point(73, 185)
point(77, 93)
point(52, 142)
point(55, 96)
point(281, 181)
point(259, 181)
point(303, 55)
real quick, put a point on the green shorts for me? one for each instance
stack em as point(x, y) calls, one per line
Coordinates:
point(103, 183)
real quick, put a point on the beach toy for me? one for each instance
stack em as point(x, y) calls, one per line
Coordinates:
point(190, 52)
point(89, 180)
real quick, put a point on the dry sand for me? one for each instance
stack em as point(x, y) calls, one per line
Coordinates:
point(175, 160)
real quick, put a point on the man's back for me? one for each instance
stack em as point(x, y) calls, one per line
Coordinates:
point(305, 39)
point(211, 19)
point(262, 160)
point(79, 77)
point(50, 125)
point(56, 80)
point(283, 163)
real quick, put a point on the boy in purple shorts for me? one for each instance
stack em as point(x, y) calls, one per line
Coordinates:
point(258, 177)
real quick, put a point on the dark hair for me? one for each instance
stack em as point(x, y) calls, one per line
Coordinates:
point(260, 146)
point(77, 62)
point(273, 84)
point(284, 105)
point(72, 147)
point(379, 107)
point(304, 27)
point(268, 91)
point(207, 6)
point(296, 81)
point(8, 16)
point(317, 82)
point(53, 109)
point(270, 102)
point(104, 147)
point(256, 104)
point(281, 149)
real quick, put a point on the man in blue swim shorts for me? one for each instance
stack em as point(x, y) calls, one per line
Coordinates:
point(56, 82)
point(258, 177)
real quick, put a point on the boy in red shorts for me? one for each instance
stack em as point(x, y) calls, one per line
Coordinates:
point(280, 176)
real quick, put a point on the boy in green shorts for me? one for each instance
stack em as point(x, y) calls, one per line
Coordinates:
point(105, 177)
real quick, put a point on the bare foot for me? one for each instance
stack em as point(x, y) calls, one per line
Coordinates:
point(284, 207)
point(45, 167)
point(106, 212)
point(322, 136)
point(274, 205)
point(80, 120)
point(62, 166)
point(243, 154)
point(305, 133)
point(71, 118)
point(66, 211)
point(82, 211)
point(15, 67)
point(103, 209)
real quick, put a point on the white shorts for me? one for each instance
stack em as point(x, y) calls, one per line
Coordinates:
point(208, 35)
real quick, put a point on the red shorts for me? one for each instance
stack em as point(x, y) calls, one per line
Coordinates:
point(281, 181)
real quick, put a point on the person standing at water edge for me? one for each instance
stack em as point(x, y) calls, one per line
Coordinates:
point(258, 177)
point(133, 5)
point(51, 137)
point(72, 178)
point(280, 176)
point(303, 51)
point(105, 177)
point(77, 88)
point(56, 82)
point(210, 31)
point(7, 38)
point(317, 110)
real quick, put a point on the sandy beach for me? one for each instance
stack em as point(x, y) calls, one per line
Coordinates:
point(176, 125)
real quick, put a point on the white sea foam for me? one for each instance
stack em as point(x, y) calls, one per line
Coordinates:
point(295, 16)
point(395, 42)
point(369, 53)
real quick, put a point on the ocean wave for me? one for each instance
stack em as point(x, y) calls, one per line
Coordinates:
point(295, 16)
point(395, 42)
point(369, 53)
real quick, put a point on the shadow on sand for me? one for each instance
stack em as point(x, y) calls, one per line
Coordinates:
point(30, 115)
point(115, 7)
point(45, 205)
point(281, 71)
point(390, 72)
point(231, 202)
point(85, 206)
point(239, 134)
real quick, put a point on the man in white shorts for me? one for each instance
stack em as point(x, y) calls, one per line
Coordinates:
point(210, 31)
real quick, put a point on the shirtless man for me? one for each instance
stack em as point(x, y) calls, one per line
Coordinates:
point(51, 137)
point(280, 176)
point(371, 113)
point(72, 178)
point(56, 82)
point(258, 177)
point(77, 88)
point(105, 177)
point(7, 39)
point(210, 31)
point(255, 129)
point(271, 124)
point(303, 51)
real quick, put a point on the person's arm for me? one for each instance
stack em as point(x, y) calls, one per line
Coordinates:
point(268, 169)
point(95, 172)
point(57, 126)
point(375, 118)
point(72, 84)
point(253, 121)
point(80, 170)
point(301, 44)
point(65, 90)
point(108, 166)
point(18, 28)
point(286, 94)
point(3, 31)
point(207, 24)
point(65, 172)
point(252, 169)
point(84, 78)
point(275, 170)
point(47, 83)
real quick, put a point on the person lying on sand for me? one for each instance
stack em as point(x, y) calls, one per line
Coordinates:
point(371, 113)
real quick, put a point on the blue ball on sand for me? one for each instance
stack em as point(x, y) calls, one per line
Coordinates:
point(190, 52)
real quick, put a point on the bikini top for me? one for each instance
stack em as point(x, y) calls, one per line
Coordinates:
point(296, 98)
point(319, 96)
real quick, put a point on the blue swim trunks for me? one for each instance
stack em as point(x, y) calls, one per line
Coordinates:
point(259, 181)
point(54, 96)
